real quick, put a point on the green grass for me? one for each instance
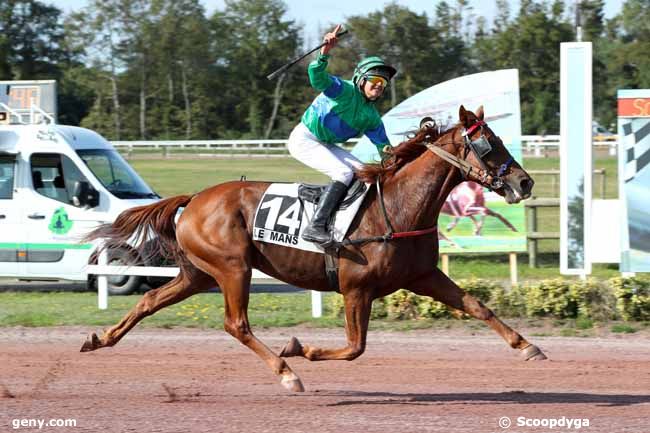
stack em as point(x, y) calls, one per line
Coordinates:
point(172, 176)
point(183, 174)
point(623, 328)
point(206, 311)
point(203, 310)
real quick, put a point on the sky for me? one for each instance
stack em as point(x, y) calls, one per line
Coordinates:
point(316, 14)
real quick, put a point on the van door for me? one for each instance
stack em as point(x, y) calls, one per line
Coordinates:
point(10, 215)
point(55, 224)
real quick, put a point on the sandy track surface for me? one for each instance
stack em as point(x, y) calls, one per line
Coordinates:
point(184, 380)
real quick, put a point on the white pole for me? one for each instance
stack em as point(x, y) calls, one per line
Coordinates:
point(316, 304)
point(102, 282)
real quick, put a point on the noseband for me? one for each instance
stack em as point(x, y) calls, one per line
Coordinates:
point(480, 147)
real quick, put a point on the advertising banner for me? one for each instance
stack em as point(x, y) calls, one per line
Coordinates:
point(634, 178)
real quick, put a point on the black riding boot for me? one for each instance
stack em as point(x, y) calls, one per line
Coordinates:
point(317, 231)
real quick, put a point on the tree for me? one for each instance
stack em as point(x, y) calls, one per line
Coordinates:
point(531, 43)
point(97, 29)
point(254, 38)
point(32, 40)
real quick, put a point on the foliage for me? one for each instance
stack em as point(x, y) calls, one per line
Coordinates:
point(405, 305)
point(587, 301)
point(32, 41)
point(632, 297)
point(163, 69)
point(562, 298)
point(203, 310)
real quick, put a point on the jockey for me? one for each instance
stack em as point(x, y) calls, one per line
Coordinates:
point(342, 111)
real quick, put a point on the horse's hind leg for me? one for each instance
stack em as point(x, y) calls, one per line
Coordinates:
point(357, 315)
point(187, 283)
point(443, 289)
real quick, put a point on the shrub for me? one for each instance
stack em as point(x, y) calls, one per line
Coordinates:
point(632, 297)
point(559, 298)
point(402, 305)
point(595, 299)
point(509, 304)
point(479, 288)
point(550, 298)
point(337, 307)
point(432, 309)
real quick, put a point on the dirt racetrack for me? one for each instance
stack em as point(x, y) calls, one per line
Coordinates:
point(183, 380)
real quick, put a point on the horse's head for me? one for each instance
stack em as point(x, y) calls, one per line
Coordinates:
point(485, 151)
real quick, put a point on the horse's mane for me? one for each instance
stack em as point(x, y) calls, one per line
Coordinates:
point(401, 154)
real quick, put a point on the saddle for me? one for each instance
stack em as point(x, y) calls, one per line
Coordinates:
point(313, 193)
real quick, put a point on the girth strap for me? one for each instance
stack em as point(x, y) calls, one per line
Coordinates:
point(333, 248)
point(332, 267)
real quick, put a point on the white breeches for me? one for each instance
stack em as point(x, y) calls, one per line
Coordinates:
point(333, 161)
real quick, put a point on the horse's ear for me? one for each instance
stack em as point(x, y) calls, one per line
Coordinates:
point(479, 113)
point(462, 116)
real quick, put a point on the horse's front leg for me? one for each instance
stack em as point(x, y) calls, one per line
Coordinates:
point(357, 315)
point(441, 288)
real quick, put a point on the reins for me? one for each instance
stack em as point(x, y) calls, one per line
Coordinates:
point(390, 234)
point(469, 171)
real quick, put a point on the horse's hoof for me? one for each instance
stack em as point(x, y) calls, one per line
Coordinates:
point(533, 353)
point(292, 383)
point(91, 343)
point(293, 348)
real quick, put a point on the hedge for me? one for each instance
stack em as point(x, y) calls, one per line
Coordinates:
point(626, 298)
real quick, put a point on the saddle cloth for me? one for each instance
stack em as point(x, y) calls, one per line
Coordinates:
point(287, 208)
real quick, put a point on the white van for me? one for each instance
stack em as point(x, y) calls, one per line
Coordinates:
point(56, 183)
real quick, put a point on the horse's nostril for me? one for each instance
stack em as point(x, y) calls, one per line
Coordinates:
point(527, 185)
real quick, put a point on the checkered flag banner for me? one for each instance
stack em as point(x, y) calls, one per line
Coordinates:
point(636, 145)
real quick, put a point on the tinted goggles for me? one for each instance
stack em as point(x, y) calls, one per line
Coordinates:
point(376, 80)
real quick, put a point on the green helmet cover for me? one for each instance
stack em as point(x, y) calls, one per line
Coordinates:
point(370, 63)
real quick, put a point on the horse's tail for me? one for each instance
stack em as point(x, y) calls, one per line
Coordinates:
point(151, 224)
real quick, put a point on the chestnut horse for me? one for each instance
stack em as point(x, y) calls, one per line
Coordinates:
point(212, 241)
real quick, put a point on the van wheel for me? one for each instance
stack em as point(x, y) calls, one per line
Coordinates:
point(120, 284)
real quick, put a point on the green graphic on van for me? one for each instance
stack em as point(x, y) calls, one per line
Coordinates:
point(60, 224)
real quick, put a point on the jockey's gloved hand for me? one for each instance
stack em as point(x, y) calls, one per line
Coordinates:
point(385, 153)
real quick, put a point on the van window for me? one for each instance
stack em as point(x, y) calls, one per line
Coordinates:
point(115, 174)
point(7, 164)
point(54, 176)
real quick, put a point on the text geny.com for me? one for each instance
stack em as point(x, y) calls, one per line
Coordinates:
point(40, 423)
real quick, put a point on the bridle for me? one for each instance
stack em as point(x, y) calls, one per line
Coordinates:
point(479, 147)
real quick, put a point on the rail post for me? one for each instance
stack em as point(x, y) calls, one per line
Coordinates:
point(102, 281)
point(445, 263)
